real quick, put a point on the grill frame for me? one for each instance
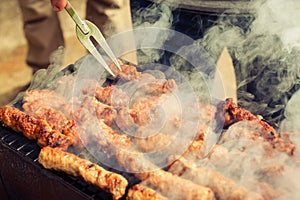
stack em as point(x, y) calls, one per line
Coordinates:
point(22, 177)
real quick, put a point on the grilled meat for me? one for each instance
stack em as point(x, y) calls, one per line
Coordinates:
point(33, 128)
point(253, 131)
point(58, 121)
point(140, 192)
point(224, 188)
point(160, 86)
point(69, 163)
point(161, 180)
point(127, 73)
point(149, 112)
point(266, 172)
point(260, 128)
point(229, 113)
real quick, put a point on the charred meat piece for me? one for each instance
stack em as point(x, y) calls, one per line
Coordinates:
point(58, 121)
point(55, 118)
point(229, 113)
point(144, 111)
point(110, 95)
point(108, 138)
point(224, 188)
point(33, 128)
point(160, 180)
point(140, 192)
point(69, 163)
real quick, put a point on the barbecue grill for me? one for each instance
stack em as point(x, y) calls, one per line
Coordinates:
point(22, 177)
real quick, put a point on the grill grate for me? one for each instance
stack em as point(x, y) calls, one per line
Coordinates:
point(29, 150)
point(23, 148)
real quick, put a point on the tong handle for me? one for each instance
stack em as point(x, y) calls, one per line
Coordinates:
point(79, 22)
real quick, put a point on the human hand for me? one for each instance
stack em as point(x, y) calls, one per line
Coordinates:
point(58, 5)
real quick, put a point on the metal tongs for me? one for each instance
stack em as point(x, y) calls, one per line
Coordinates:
point(84, 31)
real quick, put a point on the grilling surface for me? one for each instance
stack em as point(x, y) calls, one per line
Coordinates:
point(184, 179)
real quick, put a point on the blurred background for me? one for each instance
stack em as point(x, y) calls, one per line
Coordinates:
point(15, 75)
point(263, 39)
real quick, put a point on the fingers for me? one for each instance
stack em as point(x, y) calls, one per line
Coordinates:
point(58, 5)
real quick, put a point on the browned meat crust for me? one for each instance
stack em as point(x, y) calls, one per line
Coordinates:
point(58, 121)
point(140, 192)
point(33, 128)
point(150, 86)
point(230, 113)
point(58, 160)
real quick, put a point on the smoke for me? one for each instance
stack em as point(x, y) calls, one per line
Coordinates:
point(291, 122)
point(281, 18)
point(266, 62)
point(158, 15)
point(266, 55)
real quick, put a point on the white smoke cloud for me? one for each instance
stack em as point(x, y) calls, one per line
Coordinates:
point(279, 17)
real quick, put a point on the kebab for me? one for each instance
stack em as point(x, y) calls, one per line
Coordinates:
point(161, 180)
point(140, 192)
point(57, 120)
point(224, 188)
point(92, 173)
point(33, 128)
